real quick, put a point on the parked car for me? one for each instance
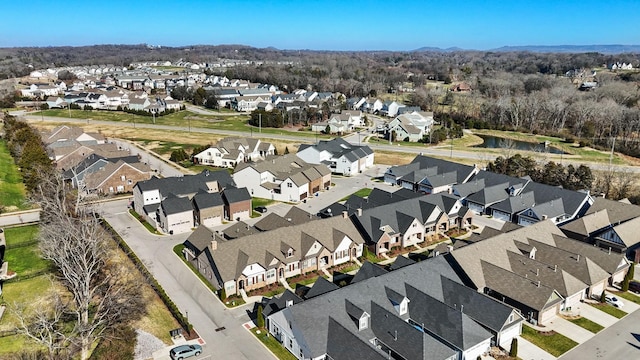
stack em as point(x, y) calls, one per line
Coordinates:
point(260, 209)
point(613, 301)
point(185, 351)
point(634, 286)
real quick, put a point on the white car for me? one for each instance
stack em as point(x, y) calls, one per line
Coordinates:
point(613, 301)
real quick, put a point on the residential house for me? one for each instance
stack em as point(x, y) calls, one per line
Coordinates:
point(175, 215)
point(208, 208)
point(411, 126)
point(56, 102)
point(147, 195)
point(429, 175)
point(340, 156)
point(282, 178)
point(247, 103)
point(237, 203)
point(116, 178)
point(372, 106)
point(229, 152)
point(254, 261)
point(402, 224)
point(139, 104)
point(610, 225)
point(390, 108)
point(67, 133)
point(538, 270)
point(421, 311)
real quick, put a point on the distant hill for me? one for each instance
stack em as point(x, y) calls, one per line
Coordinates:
point(603, 49)
point(437, 49)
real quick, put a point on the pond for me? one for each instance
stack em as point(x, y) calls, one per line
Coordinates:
point(493, 142)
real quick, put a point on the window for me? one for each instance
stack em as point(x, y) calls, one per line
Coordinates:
point(289, 185)
point(364, 322)
point(123, 178)
point(129, 182)
point(290, 343)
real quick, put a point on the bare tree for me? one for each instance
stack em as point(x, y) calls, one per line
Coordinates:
point(74, 240)
point(44, 324)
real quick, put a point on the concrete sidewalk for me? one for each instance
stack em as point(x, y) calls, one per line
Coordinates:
point(528, 351)
point(596, 315)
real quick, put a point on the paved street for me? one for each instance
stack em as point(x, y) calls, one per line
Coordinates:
point(191, 296)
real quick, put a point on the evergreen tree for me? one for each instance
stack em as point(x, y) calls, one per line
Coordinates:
point(260, 318)
point(514, 348)
point(286, 150)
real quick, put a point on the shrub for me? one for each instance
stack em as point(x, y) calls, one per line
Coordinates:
point(260, 318)
point(514, 348)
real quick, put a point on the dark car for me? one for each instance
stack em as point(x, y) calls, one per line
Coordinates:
point(260, 209)
point(634, 286)
point(185, 351)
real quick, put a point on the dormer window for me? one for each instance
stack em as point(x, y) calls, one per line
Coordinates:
point(289, 303)
point(364, 322)
point(289, 253)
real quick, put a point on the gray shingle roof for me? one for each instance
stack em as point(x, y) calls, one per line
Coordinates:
point(204, 200)
point(321, 286)
point(175, 205)
point(368, 270)
point(234, 195)
point(188, 184)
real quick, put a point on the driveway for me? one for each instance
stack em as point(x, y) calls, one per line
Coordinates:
point(595, 315)
point(528, 351)
point(570, 330)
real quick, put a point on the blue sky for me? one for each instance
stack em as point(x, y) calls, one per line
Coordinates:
point(321, 25)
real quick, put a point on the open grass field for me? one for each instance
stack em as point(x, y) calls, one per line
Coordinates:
point(12, 192)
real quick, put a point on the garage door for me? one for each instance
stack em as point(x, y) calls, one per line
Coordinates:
point(499, 215)
point(573, 300)
point(547, 315)
point(508, 334)
point(597, 289)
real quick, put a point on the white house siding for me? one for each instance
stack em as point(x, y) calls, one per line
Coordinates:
point(141, 199)
point(230, 287)
point(597, 289)
point(177, 223)
point(341, 254)
point(476, 351)
point(573, 300)
point(506, 335)
point(212, 221)
point(619, 276)
point(414, 234)
point(345, 167)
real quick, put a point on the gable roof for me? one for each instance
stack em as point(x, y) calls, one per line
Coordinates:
point(173, 204)
point(187, 184)
point(321, 286)
point(368, 270)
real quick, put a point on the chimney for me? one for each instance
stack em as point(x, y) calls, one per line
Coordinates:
point(345, 214)
point(544, 217)
point(555, 268)
point(578, 257)
point(538, 283)
point(359, 211)
point(609, 250)
point(214, 245)
point(537, 272)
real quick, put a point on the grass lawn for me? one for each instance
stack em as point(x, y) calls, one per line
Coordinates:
point(628, 296)
point(11, 345)
point(12, 190)
point(555, 344)
point(364, 192)
point(27, 291)
point(272, 344)
point(144, 223)
point(158, 320)
point(22, 252)
point(587, 324)
point(610, 310)
point(255, 202)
